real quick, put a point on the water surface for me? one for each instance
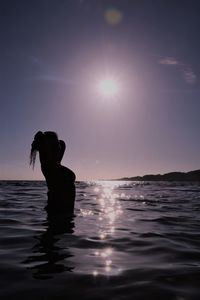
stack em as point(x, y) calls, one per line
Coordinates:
point(127, 240)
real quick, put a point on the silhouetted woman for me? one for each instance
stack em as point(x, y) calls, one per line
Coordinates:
point(60, 180)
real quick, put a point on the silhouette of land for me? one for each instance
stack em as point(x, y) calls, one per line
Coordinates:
point(172, 176)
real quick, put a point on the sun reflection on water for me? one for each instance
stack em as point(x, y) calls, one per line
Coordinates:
point(110, 210)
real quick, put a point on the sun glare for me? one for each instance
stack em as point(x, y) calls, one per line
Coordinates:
point(108, 87)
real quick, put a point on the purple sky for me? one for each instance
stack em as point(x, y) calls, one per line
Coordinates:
point(53, 53)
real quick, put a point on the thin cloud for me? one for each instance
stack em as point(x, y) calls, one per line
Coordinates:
point(189, 75)
point(168, 61)
point(47, 73)
point(54, 78)
point(186, 70)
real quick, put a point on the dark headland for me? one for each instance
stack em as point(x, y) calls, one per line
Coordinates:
point(172, 176)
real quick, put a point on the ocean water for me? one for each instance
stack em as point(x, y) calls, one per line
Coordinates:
point(127, 240)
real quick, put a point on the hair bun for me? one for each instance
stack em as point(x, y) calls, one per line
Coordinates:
point(39, 135)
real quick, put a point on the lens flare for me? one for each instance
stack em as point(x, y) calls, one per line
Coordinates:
point(113, 16)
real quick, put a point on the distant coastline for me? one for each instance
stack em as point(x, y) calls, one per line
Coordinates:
point(172, 176)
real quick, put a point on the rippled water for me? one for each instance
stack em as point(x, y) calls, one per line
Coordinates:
point(128, 240)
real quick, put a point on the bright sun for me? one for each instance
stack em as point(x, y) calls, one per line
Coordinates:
point(108, 87)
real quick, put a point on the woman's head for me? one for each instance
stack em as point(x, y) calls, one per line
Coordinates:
point(48, 139)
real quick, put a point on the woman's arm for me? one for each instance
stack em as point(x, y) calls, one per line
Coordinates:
point(62, 150)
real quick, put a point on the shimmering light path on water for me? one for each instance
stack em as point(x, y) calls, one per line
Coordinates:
point(127, 240)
